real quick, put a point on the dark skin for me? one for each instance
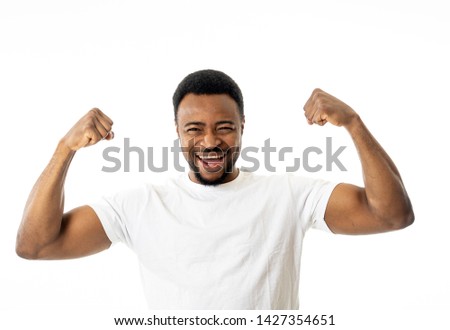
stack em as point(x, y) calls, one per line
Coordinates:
point(210, 122)
point(382, 204)
point(205, 123)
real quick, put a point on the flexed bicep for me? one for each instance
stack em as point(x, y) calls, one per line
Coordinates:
point(81, 234)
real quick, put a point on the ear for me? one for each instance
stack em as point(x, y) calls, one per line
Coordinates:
point(176, 128)
point(242, 124)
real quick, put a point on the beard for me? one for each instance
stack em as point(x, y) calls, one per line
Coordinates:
point(231, 158)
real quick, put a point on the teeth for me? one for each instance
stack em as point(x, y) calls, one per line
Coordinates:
point(210, 157)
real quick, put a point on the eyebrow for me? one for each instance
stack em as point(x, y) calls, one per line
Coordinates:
point(225, 122)
point(199, 123)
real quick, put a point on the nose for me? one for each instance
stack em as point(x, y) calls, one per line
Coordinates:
point(210, 140)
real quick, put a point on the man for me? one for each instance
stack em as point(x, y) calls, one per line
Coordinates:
point(216, 238)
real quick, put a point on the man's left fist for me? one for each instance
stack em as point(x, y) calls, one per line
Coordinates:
point(322, 107)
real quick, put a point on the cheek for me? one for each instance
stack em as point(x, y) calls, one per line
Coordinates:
point(233, 140)
point(187, 146)
point(188, 140)
point(185, 140)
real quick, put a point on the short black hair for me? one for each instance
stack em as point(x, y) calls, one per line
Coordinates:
point(208, 82)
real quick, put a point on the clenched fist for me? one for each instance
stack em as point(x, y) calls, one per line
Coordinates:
point(322, 107)
point(91, 128)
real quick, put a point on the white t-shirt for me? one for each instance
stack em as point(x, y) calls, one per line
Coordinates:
point(233, 246)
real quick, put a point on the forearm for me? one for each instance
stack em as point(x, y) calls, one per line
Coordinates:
point(41, 222)
point(385, 193)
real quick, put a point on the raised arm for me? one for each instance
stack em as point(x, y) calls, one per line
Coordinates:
point(45, 231)
point(383, 203)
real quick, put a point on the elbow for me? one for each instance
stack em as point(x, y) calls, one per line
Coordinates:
point(403, 220)
point(409, 218)
point(26, 253)
point(26, 250)
point(399, 214)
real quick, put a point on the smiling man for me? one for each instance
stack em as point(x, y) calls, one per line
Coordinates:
point(210, 129)
point(216, 238)
point(209, 115)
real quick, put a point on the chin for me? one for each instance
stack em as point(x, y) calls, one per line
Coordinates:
point(217, 179)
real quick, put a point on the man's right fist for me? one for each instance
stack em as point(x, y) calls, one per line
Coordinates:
point(91, 128)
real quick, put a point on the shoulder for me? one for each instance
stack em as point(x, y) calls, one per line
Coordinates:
point(284, 181)
point(137, 191)
point(281, 179)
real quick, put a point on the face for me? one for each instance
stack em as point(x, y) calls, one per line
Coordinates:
point(210, 130)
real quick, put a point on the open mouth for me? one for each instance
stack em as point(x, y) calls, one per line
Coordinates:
point(212, 161)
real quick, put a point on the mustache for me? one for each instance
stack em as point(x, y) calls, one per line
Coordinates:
point(216, 150)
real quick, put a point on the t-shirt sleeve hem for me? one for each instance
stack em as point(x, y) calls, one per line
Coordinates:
point(319, 221)
point(102, 213)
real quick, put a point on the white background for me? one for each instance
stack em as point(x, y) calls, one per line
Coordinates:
point(389, 60)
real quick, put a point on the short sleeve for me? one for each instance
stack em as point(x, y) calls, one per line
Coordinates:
point(118, 213)
point(320, 199)
point(312, 199)
point(111, 219)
